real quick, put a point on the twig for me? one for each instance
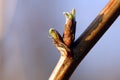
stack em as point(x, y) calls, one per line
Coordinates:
point(79, 49)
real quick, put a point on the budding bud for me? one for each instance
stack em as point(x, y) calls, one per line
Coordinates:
point(69, 29)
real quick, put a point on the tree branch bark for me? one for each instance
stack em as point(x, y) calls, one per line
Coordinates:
point(80, 48)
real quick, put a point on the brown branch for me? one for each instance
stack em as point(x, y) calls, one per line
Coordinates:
point(80, 48)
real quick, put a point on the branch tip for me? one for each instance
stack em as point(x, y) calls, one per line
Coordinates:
point(70, 15)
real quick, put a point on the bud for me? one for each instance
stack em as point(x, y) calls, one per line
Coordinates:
point(70, 28)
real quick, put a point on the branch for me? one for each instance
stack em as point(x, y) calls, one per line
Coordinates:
point(75, 52)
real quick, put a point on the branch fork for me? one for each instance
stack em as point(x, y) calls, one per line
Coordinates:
point(64, 44)
point(73, 52)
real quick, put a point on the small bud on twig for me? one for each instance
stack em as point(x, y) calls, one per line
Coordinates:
point(69, 29)
point(58, 42)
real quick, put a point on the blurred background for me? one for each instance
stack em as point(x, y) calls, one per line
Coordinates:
point(27, 52)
